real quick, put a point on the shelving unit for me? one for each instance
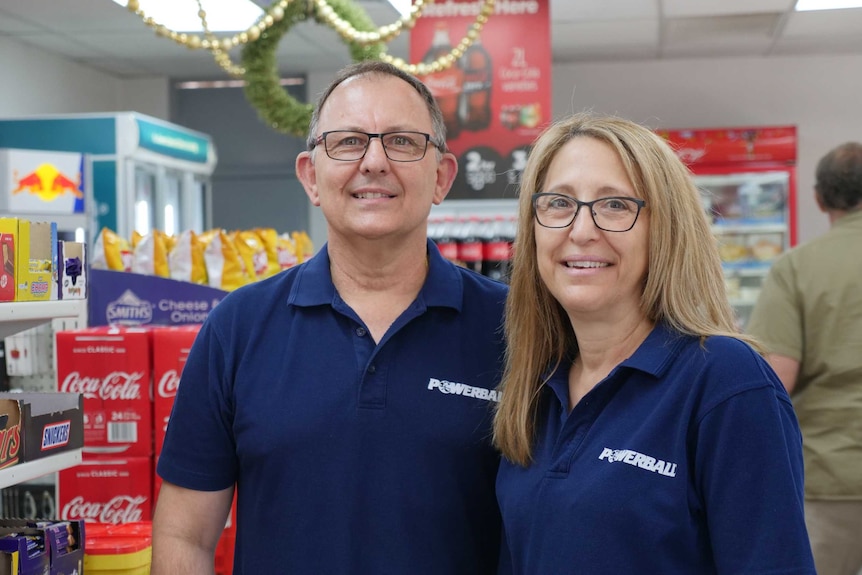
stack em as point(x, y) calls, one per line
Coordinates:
point(18, 316)
point(32, 469)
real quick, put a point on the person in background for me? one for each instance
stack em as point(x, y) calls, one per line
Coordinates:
point(809, 318)
point(348, 400)
point(640, 432)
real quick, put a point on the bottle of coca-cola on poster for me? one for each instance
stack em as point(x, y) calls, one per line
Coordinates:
point(445, 84)
point(470, 250)
point(474, 109)
point(445, 236)
point(498, 249)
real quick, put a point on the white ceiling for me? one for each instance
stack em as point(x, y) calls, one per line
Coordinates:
point(105, 36)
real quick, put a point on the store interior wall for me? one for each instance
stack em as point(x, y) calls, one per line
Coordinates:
point(817, 94)
point(254, 183)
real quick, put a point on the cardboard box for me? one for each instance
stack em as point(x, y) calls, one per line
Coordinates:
point(111, 368)
point(72, 270)
point(107, 490)
point(171, 346)
point(62, 540)
point(36, 425)
point(8, 242)
point(22, 555)
point(36, 261)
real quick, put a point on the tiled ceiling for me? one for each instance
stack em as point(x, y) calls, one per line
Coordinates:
point(105, 36)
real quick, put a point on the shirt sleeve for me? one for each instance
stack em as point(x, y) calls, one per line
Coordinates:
point(776, 320)
point(749, 478)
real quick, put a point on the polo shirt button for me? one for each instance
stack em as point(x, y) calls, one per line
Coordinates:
point(371, 368)
point(360, 331)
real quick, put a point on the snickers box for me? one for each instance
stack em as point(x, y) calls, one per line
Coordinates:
point(8, 242)
point(36, 425)
point(111, 369)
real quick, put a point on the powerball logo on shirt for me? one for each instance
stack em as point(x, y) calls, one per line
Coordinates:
point(454, 388)
point(665, 468)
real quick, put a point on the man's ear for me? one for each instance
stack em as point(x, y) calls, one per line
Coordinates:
point(307, 175)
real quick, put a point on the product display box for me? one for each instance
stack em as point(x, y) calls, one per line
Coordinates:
point(43, 547)
point(36, 425)
point(107, 490)
point(36, 261)
point(111, 368)
point(8, 241)
point(72, 270)
point(171, 346)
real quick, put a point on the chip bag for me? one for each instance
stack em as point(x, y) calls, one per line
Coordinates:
point(150, 256)
point(111, 252)
point(186, 259)
point(225, 269)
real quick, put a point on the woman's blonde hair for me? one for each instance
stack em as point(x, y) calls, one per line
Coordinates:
point(684, 287)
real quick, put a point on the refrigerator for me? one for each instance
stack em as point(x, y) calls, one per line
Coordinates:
point(747, 180)
point(147, 173)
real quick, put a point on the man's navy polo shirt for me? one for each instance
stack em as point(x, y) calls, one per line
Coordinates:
point(349, 457)
point(685, 460)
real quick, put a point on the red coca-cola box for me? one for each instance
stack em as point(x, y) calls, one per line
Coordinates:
point(107, 490)
point(171, 346)
point(111, 368)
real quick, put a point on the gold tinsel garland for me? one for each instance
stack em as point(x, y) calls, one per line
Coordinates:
point(260, 69)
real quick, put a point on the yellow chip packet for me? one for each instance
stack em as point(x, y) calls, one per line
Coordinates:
point(150, 256)
point(225, 270)
point(269, 237)
point(287, 257)
point(252, 251)
point(111, 252)
point(186, 259)
point(303, 245)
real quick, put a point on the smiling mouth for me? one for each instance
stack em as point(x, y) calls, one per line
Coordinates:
point(371, 196)
point(586, 265)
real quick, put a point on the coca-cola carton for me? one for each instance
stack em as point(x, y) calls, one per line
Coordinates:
point(106, 490)
point(111, 368)
point(171, 346)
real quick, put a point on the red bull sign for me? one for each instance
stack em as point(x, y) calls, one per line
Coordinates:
point(35, 181)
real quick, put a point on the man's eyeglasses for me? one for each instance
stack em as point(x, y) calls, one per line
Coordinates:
point(613, 214)
point(349, 146)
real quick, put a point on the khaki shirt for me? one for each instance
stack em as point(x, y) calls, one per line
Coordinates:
point(810, 309)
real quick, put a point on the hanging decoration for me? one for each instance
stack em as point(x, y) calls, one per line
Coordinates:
point(262, 89)
point(260, 41)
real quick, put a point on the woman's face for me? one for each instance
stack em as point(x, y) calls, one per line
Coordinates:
point(594, 274)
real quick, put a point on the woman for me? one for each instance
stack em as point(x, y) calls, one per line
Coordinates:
point(641, 433)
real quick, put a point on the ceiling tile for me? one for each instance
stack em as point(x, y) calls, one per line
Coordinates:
point(591, 10)
point(685, 8)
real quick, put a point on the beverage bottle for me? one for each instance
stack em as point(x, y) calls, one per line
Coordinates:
point(498, 249)
point(446, 239)
point(470, 251)
point(474, 109)
point(445, 84)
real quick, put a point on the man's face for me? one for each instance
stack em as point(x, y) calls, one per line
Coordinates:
point(375, 197)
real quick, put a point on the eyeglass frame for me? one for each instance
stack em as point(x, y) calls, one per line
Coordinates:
point(535, 198)
point(322, 138)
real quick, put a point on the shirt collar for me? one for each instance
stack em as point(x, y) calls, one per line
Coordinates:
point(853, 218)
point(443, 287)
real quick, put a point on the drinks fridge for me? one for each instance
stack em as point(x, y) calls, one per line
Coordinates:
point(747, 179)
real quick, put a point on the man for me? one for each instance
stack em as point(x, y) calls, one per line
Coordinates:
point(809, 317)
point(349, 399)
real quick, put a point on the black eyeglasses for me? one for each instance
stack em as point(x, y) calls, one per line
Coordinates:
point(349, 146)
point(613, 214)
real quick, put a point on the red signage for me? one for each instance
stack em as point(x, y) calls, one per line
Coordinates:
point(497, 97)
point(723, 146)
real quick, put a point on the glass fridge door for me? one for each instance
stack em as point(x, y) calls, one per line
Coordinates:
point(751, 218)
point(143, 219)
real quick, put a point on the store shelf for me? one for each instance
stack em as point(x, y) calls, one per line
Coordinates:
point(20, 315)
point(749, 228)
point(39, 467)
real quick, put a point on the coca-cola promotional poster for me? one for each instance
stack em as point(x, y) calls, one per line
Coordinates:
point(111, 369)
point(496, 98)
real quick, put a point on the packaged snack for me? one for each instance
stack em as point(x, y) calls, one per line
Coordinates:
point(224, 267)
point(186, 259)
point(111, 252)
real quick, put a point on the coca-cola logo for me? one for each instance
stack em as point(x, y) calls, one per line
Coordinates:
point(168, 384)
point(120, 509)
point(116, 385)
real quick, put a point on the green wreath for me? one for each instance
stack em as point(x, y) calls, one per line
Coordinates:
point(262, 89)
